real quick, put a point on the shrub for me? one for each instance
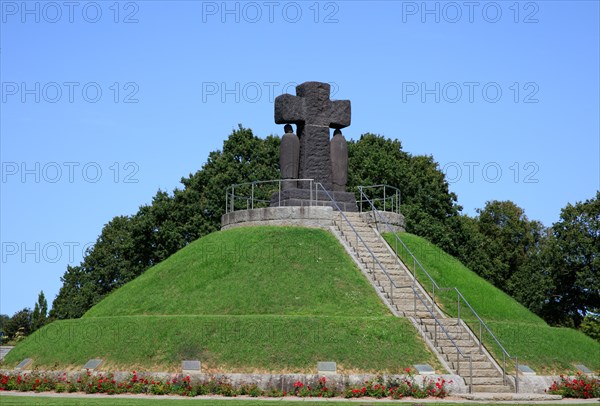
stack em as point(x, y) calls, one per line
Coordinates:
point(581, 386)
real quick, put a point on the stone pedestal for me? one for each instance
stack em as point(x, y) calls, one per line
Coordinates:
point(306, 197)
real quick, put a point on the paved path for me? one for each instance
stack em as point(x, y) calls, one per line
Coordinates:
point(4, 350)
point(525, 398)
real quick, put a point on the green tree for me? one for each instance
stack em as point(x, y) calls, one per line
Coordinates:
point(39, 317)
point(591, 325)
point(128, 245)
point(20, 321)
point(572, 259)
point(4, 319)
point(509, 248)
point(112, 261)
point(426, 204)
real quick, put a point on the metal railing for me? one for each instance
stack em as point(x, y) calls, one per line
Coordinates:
point(389, 200)
point(393, 285)
point(417, 267)
point(257, 194)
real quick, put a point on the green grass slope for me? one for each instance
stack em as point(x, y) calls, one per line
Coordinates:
point(249, 270)
point(255, 299)
point(522, 333)
point(253, 343)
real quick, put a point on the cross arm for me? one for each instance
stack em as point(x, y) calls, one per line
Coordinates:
point(289, 109)
point(340, 114)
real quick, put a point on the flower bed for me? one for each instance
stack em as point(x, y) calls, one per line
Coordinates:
point(90, 383)
point(579, 387)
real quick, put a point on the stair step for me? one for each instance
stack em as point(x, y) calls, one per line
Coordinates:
point(401, 288)
point(367, 259)
point(443, 341)
point(483, 380)
point(418, 314)
point(491, 388)
point(464, 365)
point(377, 250)
point(445, 322)
point(409, 311)
point(450, 349)
point(481, 373)
point(475, 357)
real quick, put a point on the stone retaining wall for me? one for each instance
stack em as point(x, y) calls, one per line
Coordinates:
point(318, 217)
point(284, 382)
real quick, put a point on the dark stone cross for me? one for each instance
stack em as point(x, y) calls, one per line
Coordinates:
point(314, 114)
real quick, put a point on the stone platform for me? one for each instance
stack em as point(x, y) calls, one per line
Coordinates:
point(318, 217)
point(307, 198)
point(311, 216)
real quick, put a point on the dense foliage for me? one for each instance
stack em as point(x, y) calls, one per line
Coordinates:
point(553, 271)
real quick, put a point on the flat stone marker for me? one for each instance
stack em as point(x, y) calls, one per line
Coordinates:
point(424, 369)
point(326, 367)
point(583, 369)
point(191, 366)
point(24, 363)
point(92, 364)
point(525, 370)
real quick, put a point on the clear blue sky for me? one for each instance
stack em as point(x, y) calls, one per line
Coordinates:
point(104, 103)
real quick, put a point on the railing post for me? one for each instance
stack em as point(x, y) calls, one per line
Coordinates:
point(252, 197)
point(504, 368)
point(458, 305)
point(279, 193)
point(373, 265)
point(435, 333)
point(360, 193)
point(517, 375)
point(457, 360)
point(226, 201)
point(233, 198)
point(415, 301)
point(470, 374)
point(383, 197)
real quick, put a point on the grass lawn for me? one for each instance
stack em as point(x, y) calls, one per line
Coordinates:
point(545, 349)
point(250, 270)
point(255, 343)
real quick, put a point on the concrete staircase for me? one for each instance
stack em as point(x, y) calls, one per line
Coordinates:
point(442, 334)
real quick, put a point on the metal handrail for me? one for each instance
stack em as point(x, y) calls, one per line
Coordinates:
point(230, 196)
point(460, 296)
point(393, 284)
point(395, 197)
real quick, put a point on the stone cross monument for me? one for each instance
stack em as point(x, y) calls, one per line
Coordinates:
point(311, 154)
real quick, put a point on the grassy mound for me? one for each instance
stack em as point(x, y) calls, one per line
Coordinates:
point(522, 333)
point(250, 270)
point(260, 299)
point(228, 343)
